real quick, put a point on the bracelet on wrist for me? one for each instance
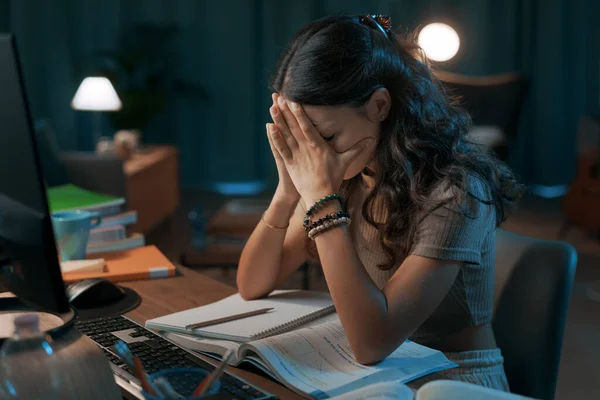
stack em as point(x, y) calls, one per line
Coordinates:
point(328, 217)
point(326, 226)
point(319, 204)
point(276, 228)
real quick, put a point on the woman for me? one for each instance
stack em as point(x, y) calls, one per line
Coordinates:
point(357, 112)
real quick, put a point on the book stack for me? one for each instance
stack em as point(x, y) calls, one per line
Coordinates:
point(113, 233)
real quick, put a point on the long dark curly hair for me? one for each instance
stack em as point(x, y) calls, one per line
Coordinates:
point(342, 60)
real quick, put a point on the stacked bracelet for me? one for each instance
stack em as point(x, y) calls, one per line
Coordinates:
point(319, 204)
point(329, 221)
point(328, 217)
point(316, 231)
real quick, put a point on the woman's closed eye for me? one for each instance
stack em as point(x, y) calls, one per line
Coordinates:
point(329, 138)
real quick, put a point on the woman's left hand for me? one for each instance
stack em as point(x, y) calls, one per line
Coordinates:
point(314, 167)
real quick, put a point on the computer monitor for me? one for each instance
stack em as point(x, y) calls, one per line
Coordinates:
point(29, 265)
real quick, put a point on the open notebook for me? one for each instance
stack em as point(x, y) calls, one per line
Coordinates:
point(291, 308)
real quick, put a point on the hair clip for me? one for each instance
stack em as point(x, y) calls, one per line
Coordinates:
point(383, 23)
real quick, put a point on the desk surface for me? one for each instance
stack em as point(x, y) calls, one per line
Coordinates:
point(191, 289)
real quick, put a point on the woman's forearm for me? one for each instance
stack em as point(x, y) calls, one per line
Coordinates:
point(261, 259)
point(361, 306)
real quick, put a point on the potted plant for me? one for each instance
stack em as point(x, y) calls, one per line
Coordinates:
point(142, 71)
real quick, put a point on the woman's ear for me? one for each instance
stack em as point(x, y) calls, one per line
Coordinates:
point(378, 106)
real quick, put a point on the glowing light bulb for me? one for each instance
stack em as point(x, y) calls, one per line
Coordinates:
point(439, 41)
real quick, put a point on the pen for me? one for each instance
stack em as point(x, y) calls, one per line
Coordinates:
point(202, 324)
point(214, 376)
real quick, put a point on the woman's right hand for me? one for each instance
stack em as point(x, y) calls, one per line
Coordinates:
point(286, 191)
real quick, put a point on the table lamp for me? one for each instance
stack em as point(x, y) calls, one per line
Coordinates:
point(96, 93)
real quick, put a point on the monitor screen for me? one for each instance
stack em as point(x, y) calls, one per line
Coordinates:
point(29, 264)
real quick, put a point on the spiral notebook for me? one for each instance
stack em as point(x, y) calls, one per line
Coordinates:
point(291, 309)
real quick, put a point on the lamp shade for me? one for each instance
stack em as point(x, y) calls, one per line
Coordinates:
point(96, 93)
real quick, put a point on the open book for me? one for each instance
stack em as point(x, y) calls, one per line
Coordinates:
point(316, 360)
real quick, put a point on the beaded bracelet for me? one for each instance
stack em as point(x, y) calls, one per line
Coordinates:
point(328, 217)
point(318, 204)
point(327, 226)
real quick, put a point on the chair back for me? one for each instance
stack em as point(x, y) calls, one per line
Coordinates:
point(494, 100)
point(533, 281)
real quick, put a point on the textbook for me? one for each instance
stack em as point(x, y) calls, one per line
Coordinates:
point(140, 263)
point(71, 197)
point(125, 218)
point(133, 241)
point(110, 233)
point(316, 360)
point(301, 343)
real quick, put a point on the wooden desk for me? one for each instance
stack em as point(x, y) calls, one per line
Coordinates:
point(190, 289)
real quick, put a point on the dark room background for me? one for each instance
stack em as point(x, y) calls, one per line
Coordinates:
point(229, 48)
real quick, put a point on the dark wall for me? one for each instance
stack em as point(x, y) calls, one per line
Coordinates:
point(230, 47)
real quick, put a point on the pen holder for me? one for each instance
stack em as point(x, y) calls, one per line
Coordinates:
point(189, 377)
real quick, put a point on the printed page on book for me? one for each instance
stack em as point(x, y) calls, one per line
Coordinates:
point(318, 361)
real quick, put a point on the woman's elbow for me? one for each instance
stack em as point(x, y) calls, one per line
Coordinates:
point(368, 354)
point(244, 288)
point(247, 292)
point(247, 295)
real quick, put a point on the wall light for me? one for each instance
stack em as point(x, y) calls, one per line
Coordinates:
point(439, 41)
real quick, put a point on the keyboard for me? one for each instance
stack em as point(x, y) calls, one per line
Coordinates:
point(157, 354)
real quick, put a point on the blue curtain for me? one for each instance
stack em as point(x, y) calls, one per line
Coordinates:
point(230, 47)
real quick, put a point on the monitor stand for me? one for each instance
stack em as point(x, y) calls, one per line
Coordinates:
point(55, 325)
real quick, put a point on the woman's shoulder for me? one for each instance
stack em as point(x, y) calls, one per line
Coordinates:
point(471, 185)
point(472, 196)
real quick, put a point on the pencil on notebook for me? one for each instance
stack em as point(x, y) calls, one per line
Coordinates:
point(234, 317)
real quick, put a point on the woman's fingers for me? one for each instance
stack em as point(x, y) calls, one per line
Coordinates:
point(281, 123)
point(276, 154)
point(280, 144)
point(306, 126)
point(290, 121)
